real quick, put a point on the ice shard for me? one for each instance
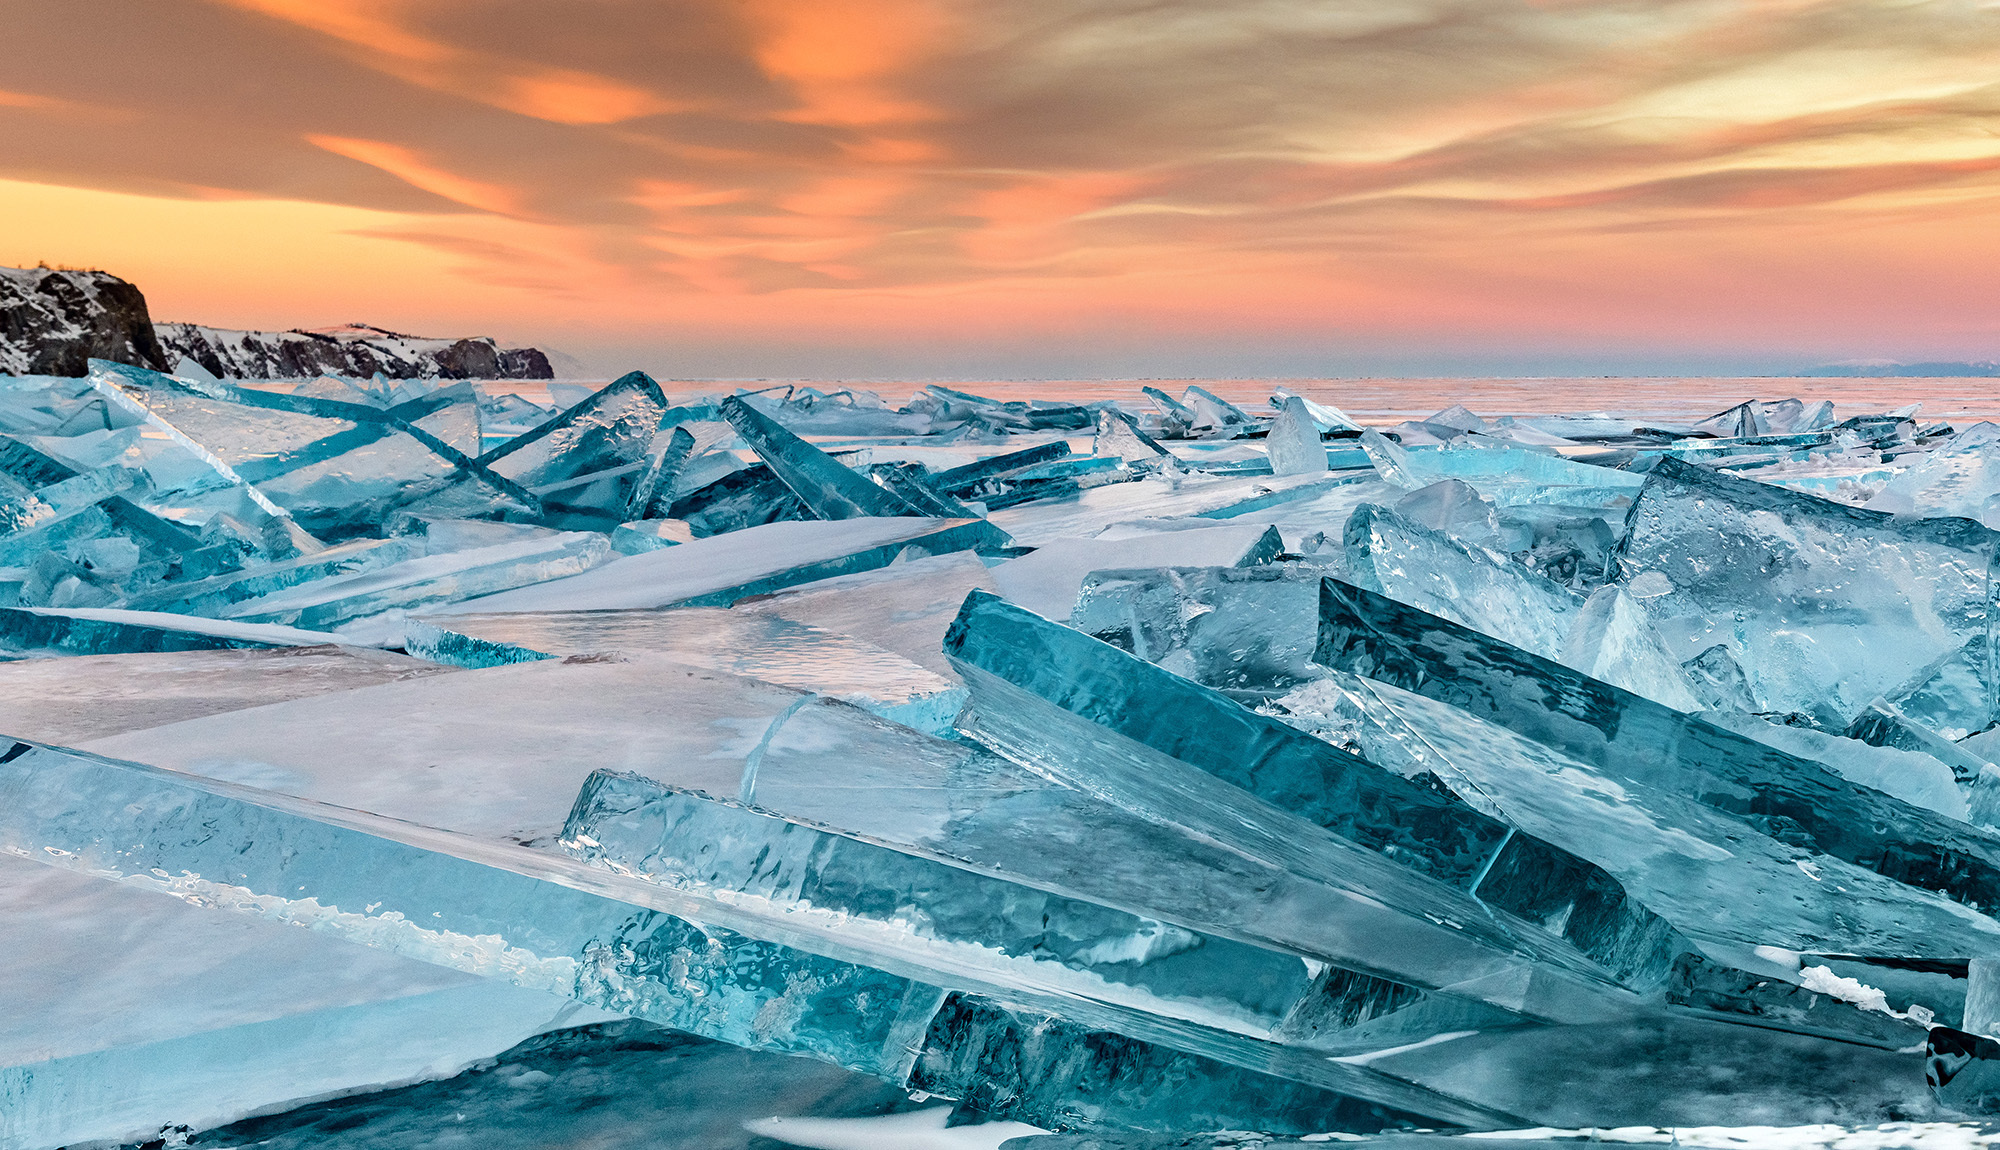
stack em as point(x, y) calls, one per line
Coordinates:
point(1718, 881)
point(67, 701)
point(1010, 656)
point(1824, 606)
point(111, 631)
point(760, 646)
point(1506, 474)
point(610, 428)
point(1427, 569)
point(215, 595)
point(698, 964)
point(830, 490)
point(1086, 513)
point(964, 481)
point(1061, 943)
point(905, 607)
point(336, 600)
point(719, 570)
point(1293, 441)
point(1626, 736)
point(1046, 580)
point(336, 467)
point(130, 1014)
point(1119, 437)
point(660, 477)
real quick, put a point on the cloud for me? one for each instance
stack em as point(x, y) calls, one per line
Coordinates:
point(898, 146)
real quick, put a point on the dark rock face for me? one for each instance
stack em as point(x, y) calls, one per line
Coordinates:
point(354, 350)
point(54, 322)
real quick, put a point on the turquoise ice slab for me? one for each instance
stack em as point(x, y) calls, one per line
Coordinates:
point(906, 607)
point(337, 467)
point(336, 599)
point(721, 569)
point(963, 481)
point(157, 538)
point(1046, 580)
point(109, 631)
point(1085, 514)
point(731, 971)
point(1713, 877)
point(1505, 473)
point(756, 645)
point(1026, 673)
point(129, 1012)
point(1625, 736)
point(1245, 631)
point(216, 594)
point(501, 753)
point(655, 485)
point(1824, 606)
point(1411, 563)
point(1054, 941)
point(610, 428)
point(72, 700)
point(828, 489)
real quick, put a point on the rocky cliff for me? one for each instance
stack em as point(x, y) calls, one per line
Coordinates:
point(356, 350)
point(54, 322)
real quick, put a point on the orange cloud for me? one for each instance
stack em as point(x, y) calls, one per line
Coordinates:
point(857, 166)
point(406, 165)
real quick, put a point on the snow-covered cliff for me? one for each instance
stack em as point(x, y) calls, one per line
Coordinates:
point(54, 322)
point(355, 349)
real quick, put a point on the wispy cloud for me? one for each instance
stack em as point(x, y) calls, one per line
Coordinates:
point(856, 146)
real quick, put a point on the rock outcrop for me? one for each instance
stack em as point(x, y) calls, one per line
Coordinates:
point(355, 350)
point(54, 322)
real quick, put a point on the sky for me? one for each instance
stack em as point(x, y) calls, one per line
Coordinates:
point(907, 189)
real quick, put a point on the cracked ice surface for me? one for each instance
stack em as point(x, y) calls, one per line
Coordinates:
point(1129, 770)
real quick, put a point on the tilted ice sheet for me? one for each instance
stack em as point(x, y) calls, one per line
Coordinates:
point(758, 646)
point(1046, 580)
point(851, 995)
point(905, 607)
point(129, 1011)
point(1626, 736)
point(72, 700)
point(1712, 876)
point(721, 569)
point(1825, 607)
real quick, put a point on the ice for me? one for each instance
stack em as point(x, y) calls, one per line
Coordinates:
point(1119, 437)
point(130, 1013)
point(905, 607)
point(70, 700)
point(1626, 736)
point(1010, 657)
point(542, 922)
point(1824, 607)
point(335, 600)
point(761, 646)
point(829, 490)
point(1046, 581)
point(110, 631)
point(1259, 770)
point(1714, 878)
point(1293, 441)
point(754, 561)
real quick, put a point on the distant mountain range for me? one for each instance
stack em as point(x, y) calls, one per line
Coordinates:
point(54, 321)
point(1876, 368)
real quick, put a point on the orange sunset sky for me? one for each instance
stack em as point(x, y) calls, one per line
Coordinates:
point(953, 188)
